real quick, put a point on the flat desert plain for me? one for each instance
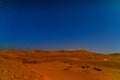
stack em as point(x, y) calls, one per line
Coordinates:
point(58, 65)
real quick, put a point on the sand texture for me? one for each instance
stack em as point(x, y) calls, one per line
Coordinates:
point(58, 65)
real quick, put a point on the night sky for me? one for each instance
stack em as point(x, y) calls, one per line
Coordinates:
point(60, 24)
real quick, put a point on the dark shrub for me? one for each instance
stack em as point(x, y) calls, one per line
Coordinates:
point(97, 69)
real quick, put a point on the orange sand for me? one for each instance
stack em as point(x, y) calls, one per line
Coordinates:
point(58, 65)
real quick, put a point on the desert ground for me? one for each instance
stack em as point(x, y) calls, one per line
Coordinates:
point(58, 65)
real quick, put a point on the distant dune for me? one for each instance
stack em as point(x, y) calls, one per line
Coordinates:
point(58, 65)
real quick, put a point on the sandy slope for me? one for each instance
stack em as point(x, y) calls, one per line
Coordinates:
point(16, 71)
point(58, 71)
point(58, 65)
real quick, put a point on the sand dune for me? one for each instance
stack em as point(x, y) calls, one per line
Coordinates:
point(58, 65)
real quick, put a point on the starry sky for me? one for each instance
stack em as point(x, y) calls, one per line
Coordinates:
point(60, 25)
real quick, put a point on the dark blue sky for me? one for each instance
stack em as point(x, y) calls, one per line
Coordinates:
point(50, 25)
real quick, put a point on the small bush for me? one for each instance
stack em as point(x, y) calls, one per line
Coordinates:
point(97, 69)
point(30, 62)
